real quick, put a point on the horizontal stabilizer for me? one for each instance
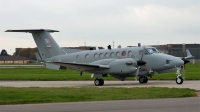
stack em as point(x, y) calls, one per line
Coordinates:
point(32, 30)
point(81, 66)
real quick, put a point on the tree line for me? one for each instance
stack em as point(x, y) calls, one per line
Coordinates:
point(24, 52)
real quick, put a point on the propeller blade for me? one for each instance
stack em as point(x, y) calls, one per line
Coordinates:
point(143, 51)
point(137, 72)
point(183, 72)
point(134, 57)
point(193, 61)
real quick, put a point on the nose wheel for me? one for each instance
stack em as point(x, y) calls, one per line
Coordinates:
point(98, 82)
point(179, 80)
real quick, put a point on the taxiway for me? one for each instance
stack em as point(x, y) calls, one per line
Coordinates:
point(153, 105)
point(171, 84)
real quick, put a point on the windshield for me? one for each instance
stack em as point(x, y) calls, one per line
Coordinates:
point(152, 50)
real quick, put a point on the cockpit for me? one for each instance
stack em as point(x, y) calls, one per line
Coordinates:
point(152, 50)
point(148, 51)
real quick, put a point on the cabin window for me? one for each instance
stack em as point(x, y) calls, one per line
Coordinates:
point(95, 55)
point(123, 53)
point(106, 55)
point(130, 53)
point(87, 56)
point(118, 54)
point(112, 54)
point(101, 55)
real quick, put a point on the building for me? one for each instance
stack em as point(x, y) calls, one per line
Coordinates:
point(13, 60)
point(179, 49)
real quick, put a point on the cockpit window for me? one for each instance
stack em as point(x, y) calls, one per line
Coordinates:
point(152, 50)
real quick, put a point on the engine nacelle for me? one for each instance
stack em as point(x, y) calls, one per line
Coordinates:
point(122, 66)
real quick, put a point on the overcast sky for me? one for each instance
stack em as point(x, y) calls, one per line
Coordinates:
point(100, 22)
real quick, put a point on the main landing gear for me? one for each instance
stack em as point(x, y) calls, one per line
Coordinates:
point(143, 79)
point(98, 82)
point(179, 79)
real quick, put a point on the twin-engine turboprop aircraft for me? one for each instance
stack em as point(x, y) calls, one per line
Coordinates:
point(119, 63)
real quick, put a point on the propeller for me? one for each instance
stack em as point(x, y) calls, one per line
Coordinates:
point(139, 62)
point(185, 62)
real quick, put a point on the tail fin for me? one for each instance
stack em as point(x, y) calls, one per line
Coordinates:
point(188, 54)
point(47, 46)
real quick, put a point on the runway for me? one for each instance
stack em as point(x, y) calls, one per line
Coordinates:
point(155, 105)
point(171, 84)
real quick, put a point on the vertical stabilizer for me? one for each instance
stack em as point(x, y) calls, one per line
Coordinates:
point(47, 46)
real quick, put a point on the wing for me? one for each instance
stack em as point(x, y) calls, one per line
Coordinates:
point(81, 66)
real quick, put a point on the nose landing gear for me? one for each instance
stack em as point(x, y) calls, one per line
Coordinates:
point(179, 79)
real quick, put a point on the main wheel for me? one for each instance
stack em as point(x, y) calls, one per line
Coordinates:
point(143, 79)
point(97, 82)
point(101, 82)
point(179, 80)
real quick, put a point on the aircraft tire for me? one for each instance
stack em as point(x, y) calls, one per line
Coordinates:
point(143, 79)
point(97, 82)
point(101, 82)
point(179, 80)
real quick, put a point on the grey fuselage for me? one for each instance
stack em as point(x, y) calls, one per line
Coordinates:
point(117, 58)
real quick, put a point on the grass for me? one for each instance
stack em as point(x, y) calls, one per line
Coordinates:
point(2, 64)
point(11, 95)
point(43, 74)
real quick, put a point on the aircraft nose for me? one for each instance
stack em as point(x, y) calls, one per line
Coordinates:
point(178, 62)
